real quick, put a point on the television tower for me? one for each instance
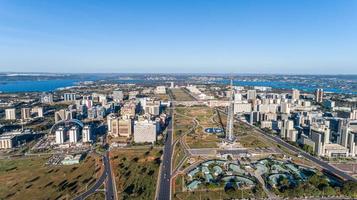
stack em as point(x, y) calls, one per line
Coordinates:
point(229, 128)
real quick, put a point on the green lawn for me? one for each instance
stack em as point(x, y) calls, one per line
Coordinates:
point(180, 95)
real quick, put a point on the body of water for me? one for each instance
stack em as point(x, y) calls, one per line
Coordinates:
point(51, 85)
point(286, 85)
point(35, 86)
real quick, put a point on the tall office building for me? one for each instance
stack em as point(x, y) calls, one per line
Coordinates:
point(319, 95)
point(251, 94)
point(25, 113)
point(69, 96)
point(87, 135)
point(73, 134)
point(10, 114)
point(295, 95)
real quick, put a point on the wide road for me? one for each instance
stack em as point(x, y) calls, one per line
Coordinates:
point(109, 187)
point(314, 159)
point(99, 182)
point(165, 177)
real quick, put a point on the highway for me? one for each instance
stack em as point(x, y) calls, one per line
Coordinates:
point(165, 177)
point(109, 186)
point(106, 176)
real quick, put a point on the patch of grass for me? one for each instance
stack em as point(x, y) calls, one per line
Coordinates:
point(136, 172)
point(180, 95)
point(178, 155)
point(28, 178)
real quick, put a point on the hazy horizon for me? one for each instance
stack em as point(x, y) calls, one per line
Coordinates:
point(256, 37)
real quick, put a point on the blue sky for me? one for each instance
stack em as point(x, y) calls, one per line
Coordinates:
point(215, 36)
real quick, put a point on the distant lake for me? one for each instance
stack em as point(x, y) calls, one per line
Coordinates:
point(35, 86)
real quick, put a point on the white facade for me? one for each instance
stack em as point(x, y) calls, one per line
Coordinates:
point(87, 134)
point(242, 108)
point(69, 96)
point(145, 131)
point(10, 114)
point(60, 135)
point(160, 90)
point(73, 135)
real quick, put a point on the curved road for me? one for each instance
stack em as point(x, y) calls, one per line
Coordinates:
point(106, 176)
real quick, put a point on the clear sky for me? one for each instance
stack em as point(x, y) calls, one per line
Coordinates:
point(227, 36)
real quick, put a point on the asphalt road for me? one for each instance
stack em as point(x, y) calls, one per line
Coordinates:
point(109, 187)
point(97, 184)
point(314, 159)
point(106, 176)
point(165, 177)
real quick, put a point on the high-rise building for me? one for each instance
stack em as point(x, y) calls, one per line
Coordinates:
point(118, 95)
point(60, 135)
point(69, 97)
point(73, 134)
point(46, 98)
point(25, 113)
point(251, 94)
point(286, 129)
point(10, 114)
point(320, 136)
point(285, 107)
point(39, 111)
point(87, 135)
point(145, 131)
point(353, 114)
point(121, 127)
point(319, 95)
point(295, 95)
point(352, 143)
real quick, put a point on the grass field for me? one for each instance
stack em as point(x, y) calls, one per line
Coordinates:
point(180, 95)
point(30, 178)
point(198, 138)
point(136, 172)
point(178, 155)
point(96, 196)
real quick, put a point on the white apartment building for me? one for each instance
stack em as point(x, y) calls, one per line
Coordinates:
point(10, 114)
point(73, 134)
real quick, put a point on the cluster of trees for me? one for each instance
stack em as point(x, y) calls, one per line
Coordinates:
point(317, 185)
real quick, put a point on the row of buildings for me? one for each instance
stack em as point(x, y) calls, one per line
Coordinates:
point(301, 118)
point(26, 113)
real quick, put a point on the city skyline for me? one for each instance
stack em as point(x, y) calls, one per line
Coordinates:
point(275, 37)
